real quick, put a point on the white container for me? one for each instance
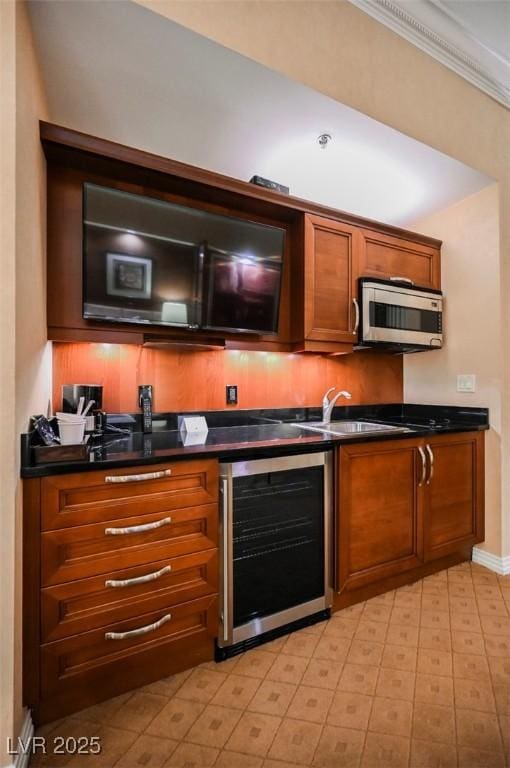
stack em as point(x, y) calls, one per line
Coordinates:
point(71, 432)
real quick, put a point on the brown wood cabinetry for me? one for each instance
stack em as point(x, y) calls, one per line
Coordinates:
point(380, 512)
point(454, 498)
point(387, 256)
point(402, 506)
point(327, 284)
point(325, 250)
point(121, 580)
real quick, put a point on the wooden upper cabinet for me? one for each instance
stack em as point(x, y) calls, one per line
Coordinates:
point(330, 271)
point(454, 506)
point(379, 524)
point(385, 256)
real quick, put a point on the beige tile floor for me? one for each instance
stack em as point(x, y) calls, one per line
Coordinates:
point(417, 677)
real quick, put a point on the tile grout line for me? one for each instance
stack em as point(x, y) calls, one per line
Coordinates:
point(351, 639)
point(453, 678)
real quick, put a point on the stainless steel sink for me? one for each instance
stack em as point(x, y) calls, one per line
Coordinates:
point(350, 427)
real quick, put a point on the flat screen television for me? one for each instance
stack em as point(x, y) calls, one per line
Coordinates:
point(151, 262)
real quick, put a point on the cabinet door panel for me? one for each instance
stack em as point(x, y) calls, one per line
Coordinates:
point(385, 256)
point(329, 280)
point(379, 531)
point(454, 506)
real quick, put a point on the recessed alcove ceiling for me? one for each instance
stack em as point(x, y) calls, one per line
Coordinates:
point(119, 71)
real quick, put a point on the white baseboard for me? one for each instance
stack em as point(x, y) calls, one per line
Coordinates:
point(500, 565)
point(22, 759)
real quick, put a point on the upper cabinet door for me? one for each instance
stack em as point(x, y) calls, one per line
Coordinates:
point(385, 256)
point(330, 272)
point(454, 506)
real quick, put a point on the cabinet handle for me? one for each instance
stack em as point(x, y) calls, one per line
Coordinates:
point(423, 465)
point(140, 631)
point(356, 310)
point(402, 280)
point(138, 528)
point(138, 579)
point(137, 478)
point(431, 459)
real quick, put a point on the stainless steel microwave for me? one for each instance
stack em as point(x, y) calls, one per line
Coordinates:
point(399, 316)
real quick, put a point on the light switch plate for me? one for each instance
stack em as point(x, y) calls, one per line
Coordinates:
point(466, 382)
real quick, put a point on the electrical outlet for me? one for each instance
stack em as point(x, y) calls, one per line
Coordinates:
point(466, 382)
point(231, 394)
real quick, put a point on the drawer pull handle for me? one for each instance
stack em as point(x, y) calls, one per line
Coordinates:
point(137, 478)
point(402, 280)
point(140, 631)
point(138, 579)
point(138, 528)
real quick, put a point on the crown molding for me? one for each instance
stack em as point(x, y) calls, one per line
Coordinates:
point(472, 61)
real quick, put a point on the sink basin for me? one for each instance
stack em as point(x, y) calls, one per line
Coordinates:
point(350, 427)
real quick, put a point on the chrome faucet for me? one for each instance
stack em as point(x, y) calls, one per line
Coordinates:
point(328, 405)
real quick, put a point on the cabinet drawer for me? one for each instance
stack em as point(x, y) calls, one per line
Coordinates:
point(90, 497)
point(79, 606)
point(89, 550)
point(88, 659)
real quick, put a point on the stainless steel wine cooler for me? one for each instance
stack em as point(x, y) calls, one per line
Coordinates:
point(275, 544)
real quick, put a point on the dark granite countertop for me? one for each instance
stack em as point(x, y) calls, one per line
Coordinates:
point(253, 433)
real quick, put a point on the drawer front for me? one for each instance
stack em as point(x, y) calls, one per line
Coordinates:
point(87, 659)
point(89, 550)
point(79, 606)
point(90, 497)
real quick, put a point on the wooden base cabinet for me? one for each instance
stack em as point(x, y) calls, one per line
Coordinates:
point(404, 507)
point(380, 511)
point(120, 581)
point(454, 498)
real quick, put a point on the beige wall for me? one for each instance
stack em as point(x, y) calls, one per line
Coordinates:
point(25, 375)
point(470, 279)
point(7, 352)
point(335, 48)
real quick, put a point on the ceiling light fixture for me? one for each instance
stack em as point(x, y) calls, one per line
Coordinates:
point(323, 140)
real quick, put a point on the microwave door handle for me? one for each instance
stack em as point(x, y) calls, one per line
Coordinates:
point(401, 280)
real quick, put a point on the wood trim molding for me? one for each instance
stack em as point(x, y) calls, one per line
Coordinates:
point(472, 61)
point(500, 565)
point(62, 144)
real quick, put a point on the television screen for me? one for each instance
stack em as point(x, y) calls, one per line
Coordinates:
point(241, 293)
point(153, 262)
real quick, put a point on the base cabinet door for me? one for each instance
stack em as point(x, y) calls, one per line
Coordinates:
point(379, 521)
point(454, 499)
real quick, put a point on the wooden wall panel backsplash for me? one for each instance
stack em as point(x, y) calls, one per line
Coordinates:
point(196, 380)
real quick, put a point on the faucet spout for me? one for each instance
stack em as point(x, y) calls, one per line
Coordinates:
point(328, 405)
